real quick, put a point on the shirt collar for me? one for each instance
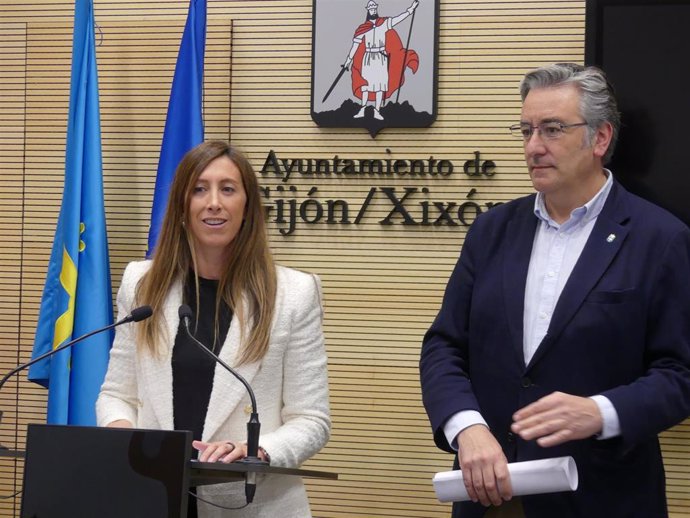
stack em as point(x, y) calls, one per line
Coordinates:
point(581, 215)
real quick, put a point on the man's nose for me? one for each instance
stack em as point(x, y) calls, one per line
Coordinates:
point(535, 143)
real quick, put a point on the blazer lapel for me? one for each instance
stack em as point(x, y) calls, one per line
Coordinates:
point(602, 246)
point(228, 391)
point(518, 250)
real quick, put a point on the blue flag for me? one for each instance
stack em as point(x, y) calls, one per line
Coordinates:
point(184, 125)
point(77, 296)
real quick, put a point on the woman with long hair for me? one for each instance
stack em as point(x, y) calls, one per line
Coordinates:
point(262, 319)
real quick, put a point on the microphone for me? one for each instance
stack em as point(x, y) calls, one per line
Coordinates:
point(253, 425)
point(137, 314)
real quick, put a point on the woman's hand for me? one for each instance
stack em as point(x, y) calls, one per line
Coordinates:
point(224, 451)
point(120, 423)
point(220, 451)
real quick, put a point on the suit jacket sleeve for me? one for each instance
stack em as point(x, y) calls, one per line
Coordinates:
point(118, 396)
point(446, 388)
point(660, 397)
point(305, 410)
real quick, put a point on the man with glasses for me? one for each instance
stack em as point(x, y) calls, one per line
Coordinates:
point(565, 326)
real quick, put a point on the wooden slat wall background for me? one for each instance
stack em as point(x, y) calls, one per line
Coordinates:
point(382, 284)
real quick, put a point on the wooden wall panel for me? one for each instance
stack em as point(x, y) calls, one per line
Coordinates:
point(12, 214)
point(382, 283)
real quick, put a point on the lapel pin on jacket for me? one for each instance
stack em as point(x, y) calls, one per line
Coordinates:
point(611, 238)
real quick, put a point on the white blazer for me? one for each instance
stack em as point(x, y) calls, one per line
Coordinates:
point(290, 384)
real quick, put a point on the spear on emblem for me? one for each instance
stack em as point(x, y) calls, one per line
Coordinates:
point(407, 46)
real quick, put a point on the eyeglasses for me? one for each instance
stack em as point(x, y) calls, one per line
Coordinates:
point(551, 130)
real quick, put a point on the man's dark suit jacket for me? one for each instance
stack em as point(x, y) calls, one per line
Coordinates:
point(621, 328)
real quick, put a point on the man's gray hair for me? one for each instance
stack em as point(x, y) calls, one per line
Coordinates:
point(597, 99)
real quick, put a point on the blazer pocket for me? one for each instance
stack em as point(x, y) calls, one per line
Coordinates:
point(611, 297)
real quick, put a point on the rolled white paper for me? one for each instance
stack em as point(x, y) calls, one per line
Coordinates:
point(531, 477)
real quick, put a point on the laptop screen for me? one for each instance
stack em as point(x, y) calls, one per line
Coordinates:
point(80, 471)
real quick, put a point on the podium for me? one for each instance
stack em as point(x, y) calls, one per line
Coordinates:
point(81, 472)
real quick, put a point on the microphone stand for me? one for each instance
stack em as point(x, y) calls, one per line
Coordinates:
point(253, 425)
point(136, 315)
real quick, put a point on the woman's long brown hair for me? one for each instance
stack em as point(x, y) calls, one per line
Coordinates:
point(248, 276)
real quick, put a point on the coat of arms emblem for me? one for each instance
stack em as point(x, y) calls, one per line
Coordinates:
point(374, 63)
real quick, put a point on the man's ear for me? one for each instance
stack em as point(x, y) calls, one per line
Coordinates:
point(602, 139)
